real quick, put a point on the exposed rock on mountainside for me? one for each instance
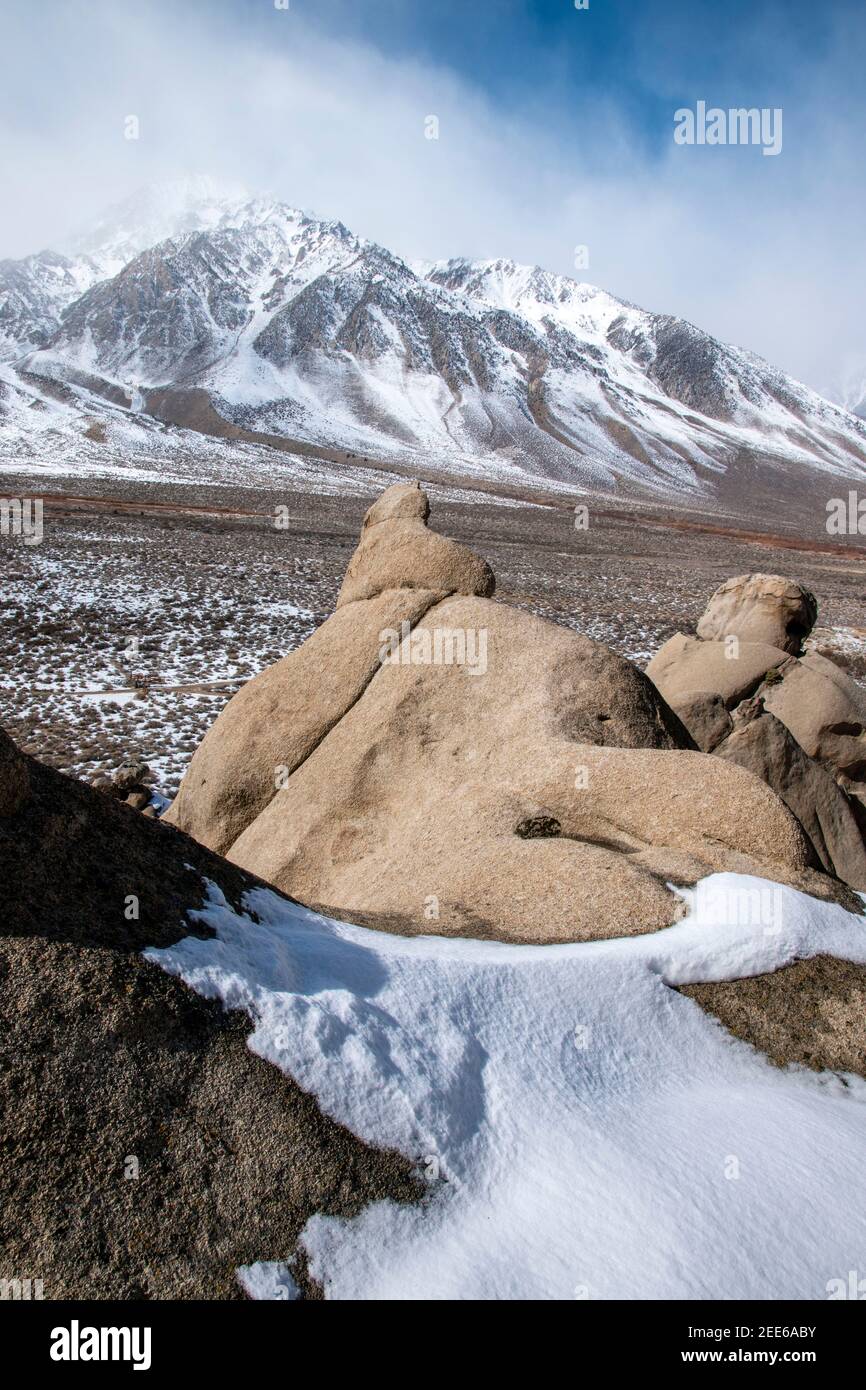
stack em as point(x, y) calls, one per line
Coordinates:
point(464, 765)
point(147, 1153)
point(810, 744)
point(35, 291)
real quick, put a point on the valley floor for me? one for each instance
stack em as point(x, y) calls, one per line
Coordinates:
point(147, 604)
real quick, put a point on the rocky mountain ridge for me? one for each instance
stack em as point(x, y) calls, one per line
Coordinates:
point(294, 328)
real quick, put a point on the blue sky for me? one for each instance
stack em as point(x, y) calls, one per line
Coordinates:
point(639, 48)
point(555, 131)
point(535, 55)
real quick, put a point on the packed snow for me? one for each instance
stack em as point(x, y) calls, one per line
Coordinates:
point(269, 1282)
point(586, 1131)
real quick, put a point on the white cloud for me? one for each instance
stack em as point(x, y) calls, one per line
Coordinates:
point(761, 252)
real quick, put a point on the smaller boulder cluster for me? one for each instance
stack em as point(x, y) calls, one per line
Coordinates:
point(131, 784)
point(749, 691)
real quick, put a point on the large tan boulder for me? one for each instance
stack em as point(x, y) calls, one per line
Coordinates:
point(450, 764)
point(275, 721)
point(813, 697)
point(826, 713)
point(821, 708)
point(397, 551)
point(765, 608)
point(462, 804)
point(707, 719)
point(400, 502)
point(687, 667)
point(762, 744)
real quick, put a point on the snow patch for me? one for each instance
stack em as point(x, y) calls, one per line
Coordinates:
point(268, 1282)
point(587, 1131)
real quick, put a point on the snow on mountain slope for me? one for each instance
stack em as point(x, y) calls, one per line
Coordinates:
point(159, 212)
point(295, 327)
point(588, 1133)
point(35, 291)
point(33, 294)
point(50, 430)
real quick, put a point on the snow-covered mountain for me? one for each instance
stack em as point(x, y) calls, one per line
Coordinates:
point(223, 311)
point(36, 290)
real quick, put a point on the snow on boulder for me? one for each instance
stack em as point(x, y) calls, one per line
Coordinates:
point(112, 1070)
point(585, 1130)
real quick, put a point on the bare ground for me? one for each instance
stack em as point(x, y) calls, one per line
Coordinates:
point(190, 591)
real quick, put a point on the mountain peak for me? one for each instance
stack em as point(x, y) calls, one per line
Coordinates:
point(297, 329)
point(157, 212)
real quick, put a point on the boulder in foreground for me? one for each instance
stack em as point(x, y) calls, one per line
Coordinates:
point(464, 767)
point(148, 1151)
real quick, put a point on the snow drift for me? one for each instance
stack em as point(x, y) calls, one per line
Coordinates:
point(587, 1131)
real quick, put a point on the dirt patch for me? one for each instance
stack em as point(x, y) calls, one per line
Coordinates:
point(812, 1013)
